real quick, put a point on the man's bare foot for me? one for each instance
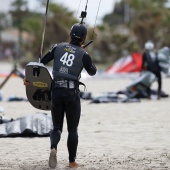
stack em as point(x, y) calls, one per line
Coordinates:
point(73, 165)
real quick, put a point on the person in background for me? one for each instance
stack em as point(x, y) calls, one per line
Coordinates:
point(150, 63)
point(68, 61)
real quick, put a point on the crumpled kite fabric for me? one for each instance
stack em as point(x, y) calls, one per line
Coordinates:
point(32, 125)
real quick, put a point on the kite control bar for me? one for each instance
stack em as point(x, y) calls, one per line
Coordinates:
point(87, 44)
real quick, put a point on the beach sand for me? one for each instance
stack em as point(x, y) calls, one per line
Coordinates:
point(112, 136)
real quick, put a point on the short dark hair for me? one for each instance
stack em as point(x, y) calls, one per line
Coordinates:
point(76, 41)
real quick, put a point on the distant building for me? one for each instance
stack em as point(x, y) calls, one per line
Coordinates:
point(10, 39)
point(11, 35)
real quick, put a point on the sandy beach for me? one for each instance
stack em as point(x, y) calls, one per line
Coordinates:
point(112, 136)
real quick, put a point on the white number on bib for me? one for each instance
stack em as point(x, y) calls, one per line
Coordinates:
point(67, 59)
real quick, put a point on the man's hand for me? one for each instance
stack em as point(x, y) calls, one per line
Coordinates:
point(26, 83)
point(82, 46)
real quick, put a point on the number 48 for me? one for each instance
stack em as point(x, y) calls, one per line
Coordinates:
point(67, 59)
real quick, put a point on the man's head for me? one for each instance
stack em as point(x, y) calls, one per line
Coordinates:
point(78, 32)
point(149, 45)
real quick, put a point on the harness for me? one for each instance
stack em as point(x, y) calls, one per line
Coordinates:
point(65, 83)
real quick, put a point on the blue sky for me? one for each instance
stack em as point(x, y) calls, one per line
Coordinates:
point(105, 7)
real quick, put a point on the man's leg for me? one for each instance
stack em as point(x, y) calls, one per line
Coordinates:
point(73, 110)
point(159, 85)
point(57, 113)
point(148, 92)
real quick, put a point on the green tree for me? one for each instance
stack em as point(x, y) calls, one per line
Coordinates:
point(116, 16)
point(59, 22)
point(19, 12)
point(149, 20)
point(3, 23)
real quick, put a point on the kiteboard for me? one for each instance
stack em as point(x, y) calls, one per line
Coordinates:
point(39, 89)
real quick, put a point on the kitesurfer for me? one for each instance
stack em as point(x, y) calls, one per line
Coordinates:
point(68, 61)
point(151, 63)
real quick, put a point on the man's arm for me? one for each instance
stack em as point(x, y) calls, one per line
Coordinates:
point(88, 65)
point(46, 59)
point(49, 56)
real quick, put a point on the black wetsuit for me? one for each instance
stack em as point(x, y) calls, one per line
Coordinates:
point(67, 100)
point(152, 65)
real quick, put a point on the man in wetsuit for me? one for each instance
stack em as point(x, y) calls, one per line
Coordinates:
point(69, 60)
point(150, 63)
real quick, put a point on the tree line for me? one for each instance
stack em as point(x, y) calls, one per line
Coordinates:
point(123, 31)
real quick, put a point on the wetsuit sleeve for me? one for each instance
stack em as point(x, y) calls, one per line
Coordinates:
point(49, 56)
point(88, 65)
